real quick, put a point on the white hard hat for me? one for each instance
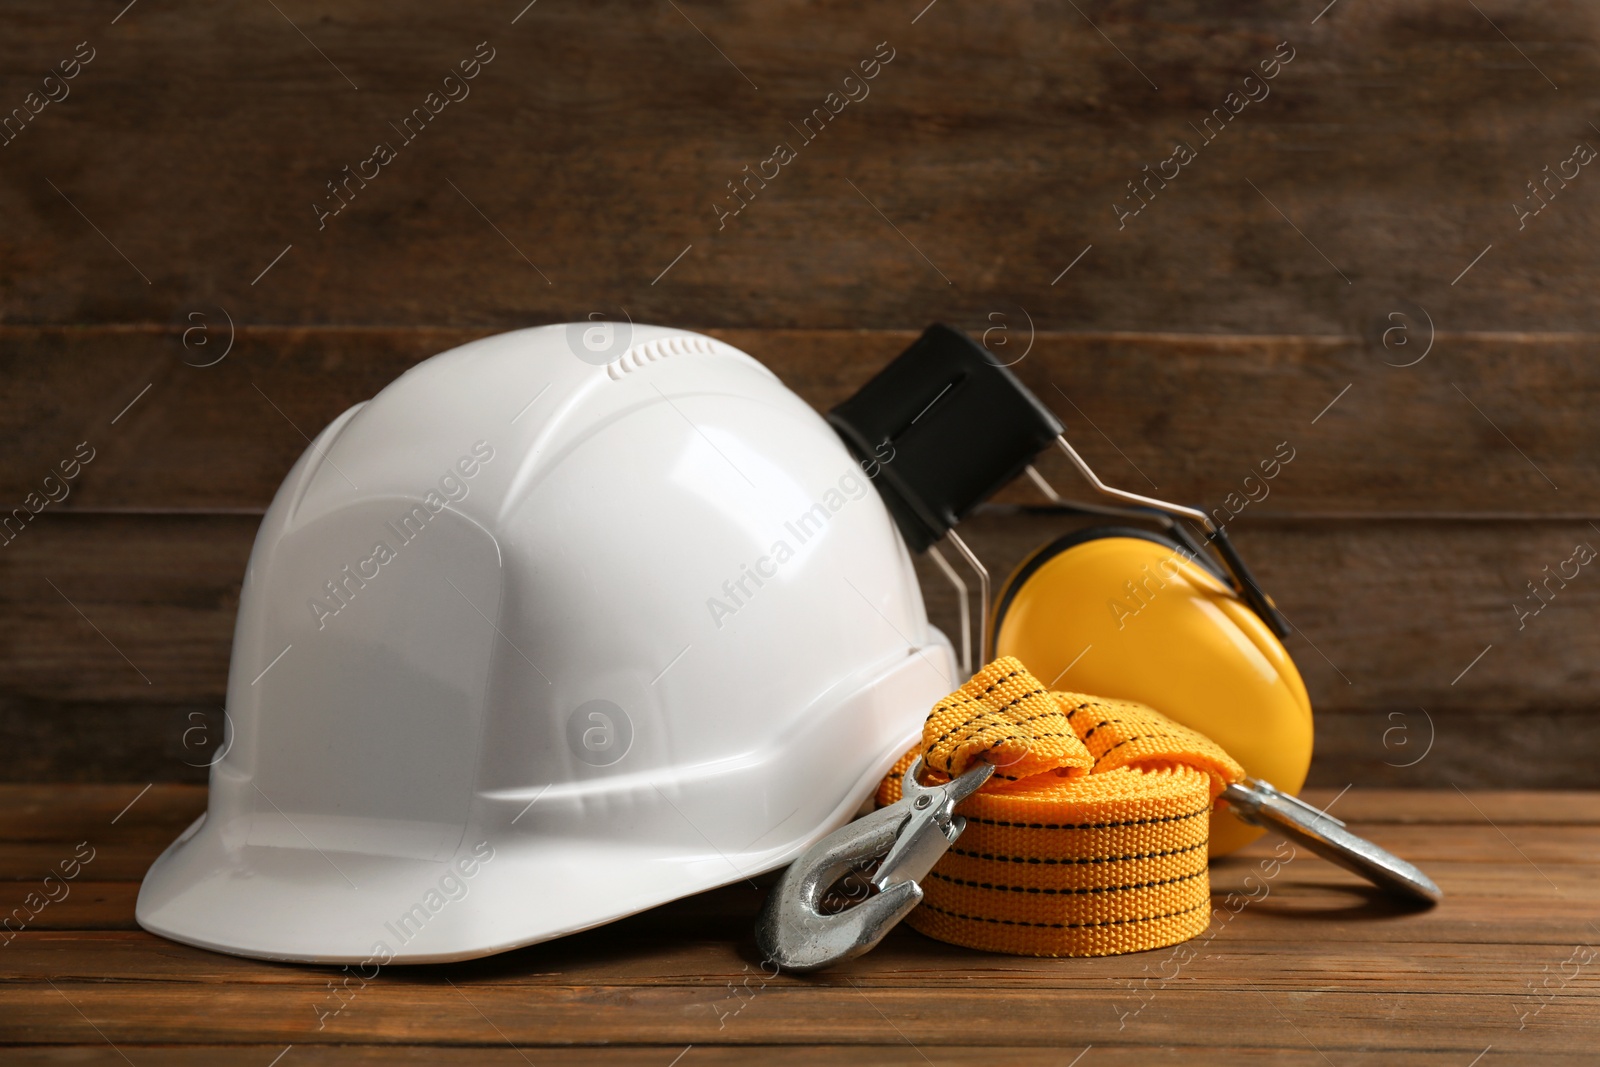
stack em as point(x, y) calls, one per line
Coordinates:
point(562, 625)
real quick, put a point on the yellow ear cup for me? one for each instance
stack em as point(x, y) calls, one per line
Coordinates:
point(1128, 614)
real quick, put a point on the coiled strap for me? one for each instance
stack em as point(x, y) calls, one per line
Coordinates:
point(1090, 838)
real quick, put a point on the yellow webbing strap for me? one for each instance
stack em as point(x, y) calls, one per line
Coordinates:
point(1090, 838)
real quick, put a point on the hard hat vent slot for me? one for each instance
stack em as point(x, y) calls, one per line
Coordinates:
point(660, 348)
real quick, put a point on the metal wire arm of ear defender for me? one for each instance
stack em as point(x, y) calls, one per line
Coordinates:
point(963, 598)
point(983, 597)
point(963, 595)
point(1131, 498)
point(1244, 582)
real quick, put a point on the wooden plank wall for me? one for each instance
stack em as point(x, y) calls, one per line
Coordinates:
point(1352, 265)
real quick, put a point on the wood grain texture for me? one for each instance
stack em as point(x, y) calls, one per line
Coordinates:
point(412, 1012)
point(118, 630)
point(1320, 965)
point(897, 1055)
point(1486, 425)
point(997, 140)
point(1267, 294)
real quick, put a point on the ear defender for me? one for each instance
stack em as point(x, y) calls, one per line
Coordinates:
point(1164, 618)
point(1136, 615)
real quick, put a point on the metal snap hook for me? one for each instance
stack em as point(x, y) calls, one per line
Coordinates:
point(909, 835)
point(1260, 804)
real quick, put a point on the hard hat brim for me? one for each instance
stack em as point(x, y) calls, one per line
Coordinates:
point(493, 892)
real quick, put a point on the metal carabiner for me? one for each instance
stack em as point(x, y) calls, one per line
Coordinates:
point(910, 835)
point(1260, 804)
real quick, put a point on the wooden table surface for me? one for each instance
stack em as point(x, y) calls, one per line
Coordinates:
point(1312, 968)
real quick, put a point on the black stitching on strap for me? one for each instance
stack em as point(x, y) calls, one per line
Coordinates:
point(1067, 926)
point(1075, 891)
point(1019, 722)
point(1014, 701)
point(979, 757)
point(1128, 741)
point(999, 682)
point(1089, 825)
point(1096, 726)
point(949, 762)
point(1077, 861)
point(966, 700)
point(1035, 718)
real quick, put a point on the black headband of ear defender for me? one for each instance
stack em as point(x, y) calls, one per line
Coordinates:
point(944, 426)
